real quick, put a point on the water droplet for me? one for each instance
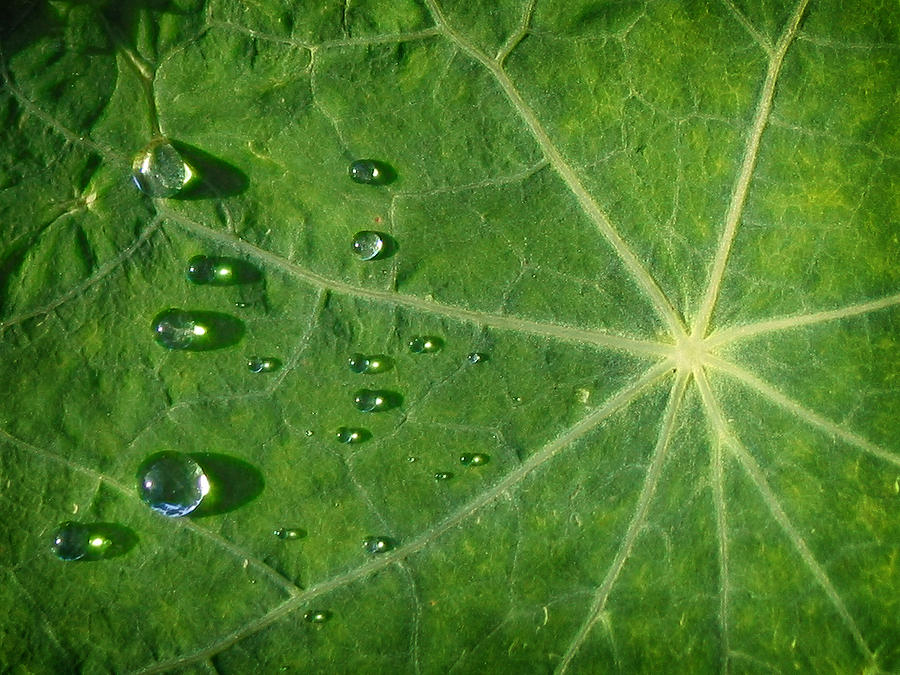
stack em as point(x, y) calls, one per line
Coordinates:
point(476, 459)
point(309, 433)
point(74, 541)
point(159, 170)
point(371, 172)
point(263, 364)
point(221, 271)
point(378, 544)
point(350, 435)
point(372, 400)
point(443, 475)
point(412, 459)
point(289, 533)
point(172, 483)
point(425, 344)
point(370, 365)
point(195, 330)
point(317, 615)
point(367, 245)
point(476, 357)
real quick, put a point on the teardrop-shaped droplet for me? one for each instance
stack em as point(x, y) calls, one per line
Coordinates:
point(443, 475)
point(351, 435)
point(75, 541)
point(221, 271)
point(263, 364)
point(369, 364)
point(175, 328)
point(476, 357)
point(371, 172)
point(367, 245)
point(371, 400)
point(475, 459)
point(159, 170)
point(172, 483)
point(425, 344)
point(378, 544)
point(289, 533)
point(317, 615)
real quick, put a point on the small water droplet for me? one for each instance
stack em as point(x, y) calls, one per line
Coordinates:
point(378, 544)
point(74, 541)
point(425, 344)
point(371, 172)
point(476, 357)
point(367, 245)
point(221, 271)
point(475, 459)
point(350, 435)
point(359, 363)
point(317, 615)
point(443, 475)
point(263, 364)
point(372, 400)
point(412, 459)
point(159, 170)
point(369, 365)
point(172, 483)
point(308, 433)
point(175, 328)
point(289, 533)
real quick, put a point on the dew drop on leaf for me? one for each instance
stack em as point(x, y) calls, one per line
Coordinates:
point(175, 328)
point(378, 544)
point(317, 615)
point(443, 475)
point(425, 344)
point(475, 459)
point(370, 172)
point(359, 363)
point(476, 357)
point(289, 533)
point(221, 271)
point(159, 170)
point(367, 245)
point(172, 483)
point(369, 365)
point(263, 364)
point(74, 541)
point(371, 400)
point(350, 435)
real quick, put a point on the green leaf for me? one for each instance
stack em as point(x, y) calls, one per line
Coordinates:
point(672, 229)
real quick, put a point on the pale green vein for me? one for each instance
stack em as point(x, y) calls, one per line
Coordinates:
point(718, 480)
point(515, 38)
point(742, 184)
point(800, 320)
point(565, 333)
point(802, 413)
point(758, 37)
point(638, 521)
point(611, 406)
point(361, 41)
point(635, 268)
point(754, 471)
point(131, 493)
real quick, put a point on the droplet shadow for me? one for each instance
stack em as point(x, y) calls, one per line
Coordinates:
point(232, 483)
point(216, 178)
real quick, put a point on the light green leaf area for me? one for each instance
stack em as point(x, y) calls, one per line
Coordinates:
point(671, 228)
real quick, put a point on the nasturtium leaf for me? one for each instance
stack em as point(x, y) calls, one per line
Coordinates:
point(668, 231)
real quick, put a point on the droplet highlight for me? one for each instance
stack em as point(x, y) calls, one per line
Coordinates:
point(172, 483)
point(377, 545)
point(263, 364)
point(159, 170)
point(317, 616)
point(75, 541)
point(475, 459)
point(425, 344)
point(350, 435)
point(372, 400)
point(367, 245)
point(370, 172)
point(443, 475)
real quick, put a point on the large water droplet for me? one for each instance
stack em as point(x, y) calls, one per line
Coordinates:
point(350, 435)
point(172, 483)
point(367, 245)
point(221, 271)
point(373, 400)
point(370, 365)
point(263, 364)
point(195, 330)
point(75, 541)
point(371, 172)
point(159, 170)
point(425, 344)
point(475, 459)
point(289, 533)
point(378, 544)
point(317, 615)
